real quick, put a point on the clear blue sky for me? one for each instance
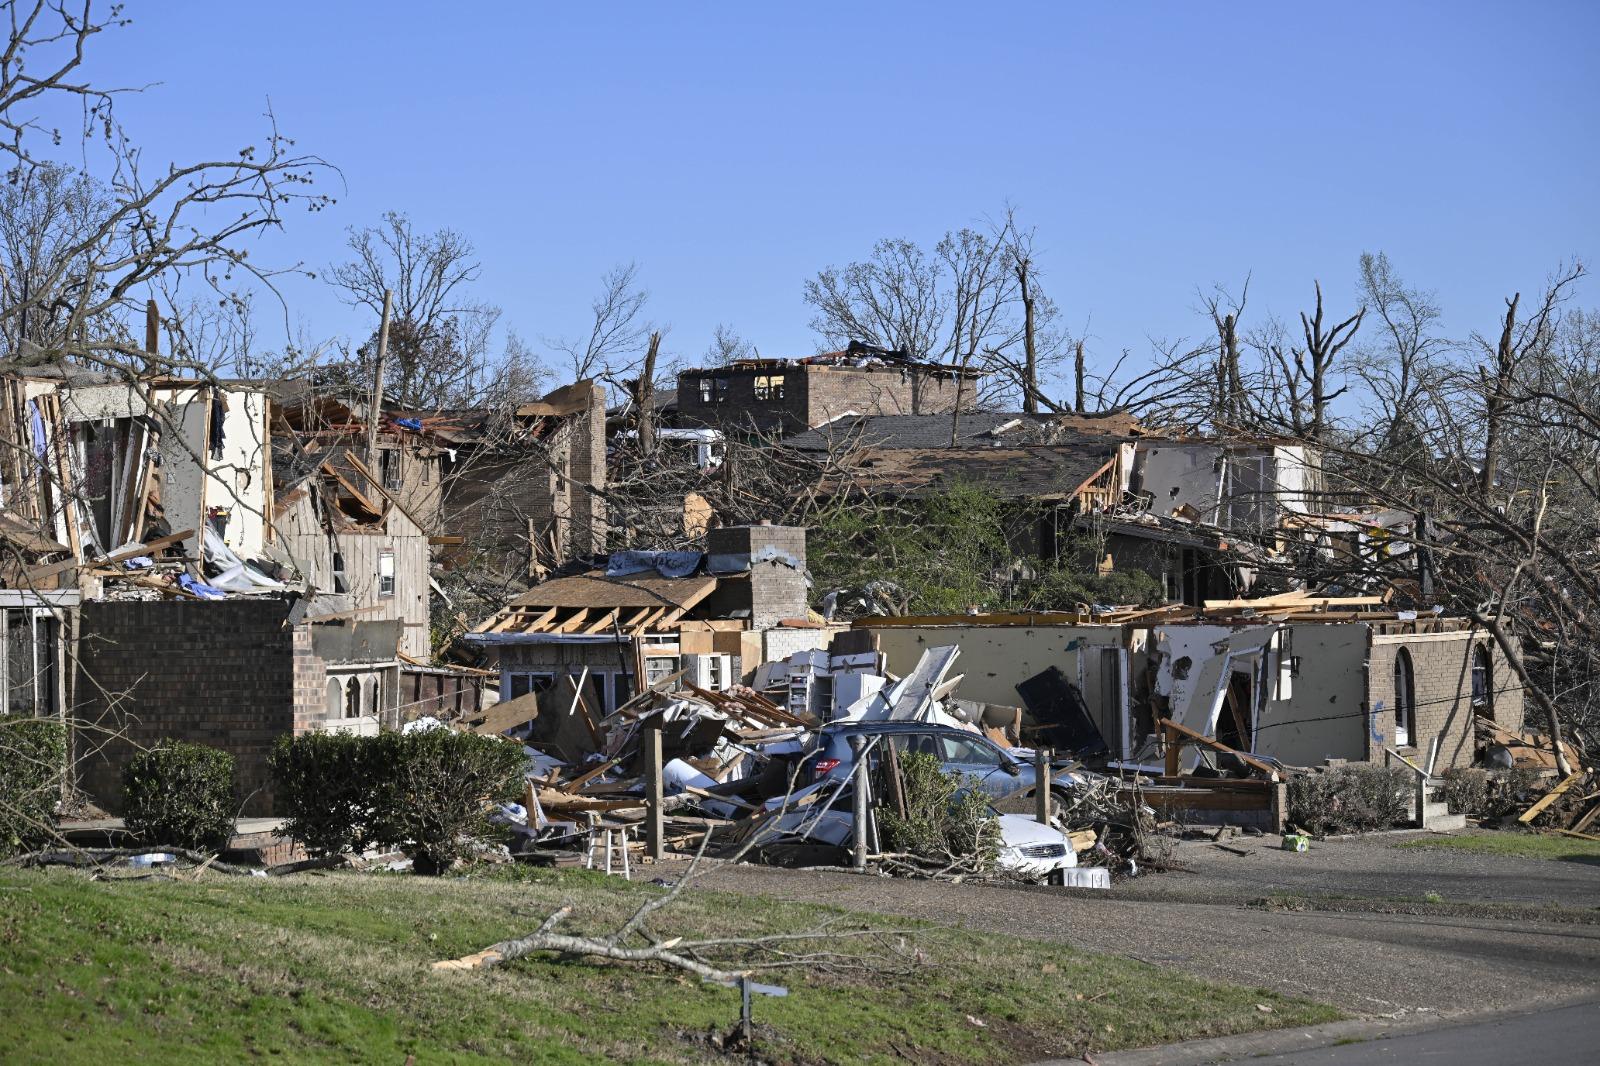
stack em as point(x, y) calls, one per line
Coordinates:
point(733, 150)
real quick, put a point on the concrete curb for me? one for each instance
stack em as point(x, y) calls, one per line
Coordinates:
point(1306, 1038)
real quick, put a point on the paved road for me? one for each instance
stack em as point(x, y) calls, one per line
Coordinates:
point(1551, 1038)
point(1384, 965)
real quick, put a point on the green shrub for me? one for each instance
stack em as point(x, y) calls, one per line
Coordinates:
point(1352, 799)
point(433, 790)
point(32, 751)
point(180, 795)
point(945, 819)
point(323, 786)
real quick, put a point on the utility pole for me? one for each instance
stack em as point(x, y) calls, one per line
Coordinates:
point(375, 410)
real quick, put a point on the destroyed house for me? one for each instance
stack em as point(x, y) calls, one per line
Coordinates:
point(1041, 487)
point(785, 396)
point(361, 551)
point(646, 615)
point(96, 463)
point(1296, 683)
point(518, 491)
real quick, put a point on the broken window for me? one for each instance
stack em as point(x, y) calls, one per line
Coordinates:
point(1405, 700)
point(352, 698)
point(657, 668)
point(339, 582)
point(621, 689)
point(1482, 688)
point(386, 573)
point(769, 387)
point(389, 467)
point(523, 684)
point(705, 390)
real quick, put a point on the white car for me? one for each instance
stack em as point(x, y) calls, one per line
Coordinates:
point(1033, 850)
point(1028, 848)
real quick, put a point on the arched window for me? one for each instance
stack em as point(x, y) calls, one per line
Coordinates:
point(1405, 700)
point(335, 698)
point(1482, 682)
point(352, 698)
point(372, 695)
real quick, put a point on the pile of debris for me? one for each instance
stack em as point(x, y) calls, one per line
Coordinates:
point(785, 773)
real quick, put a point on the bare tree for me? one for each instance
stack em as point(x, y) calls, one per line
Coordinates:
point(1397, 365)
point(439, 336)
point(617, 331)
point(1301, 378)
point(728, 347)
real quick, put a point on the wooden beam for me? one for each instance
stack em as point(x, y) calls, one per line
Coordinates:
point(603, 622)
point(587, 776)
point(1550, 797)
point(572, 623)
point(44, 572)
point(447, 541)
point(1190, 736)
point(350, 487)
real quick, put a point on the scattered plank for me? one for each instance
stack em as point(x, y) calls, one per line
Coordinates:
point(1550, 797)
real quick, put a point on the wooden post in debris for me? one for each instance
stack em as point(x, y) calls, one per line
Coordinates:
point(655, 822)
point(375, 411)
point(1041, 784)
point(859, 829)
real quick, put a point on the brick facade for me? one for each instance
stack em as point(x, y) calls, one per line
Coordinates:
point(775, 590)
point(1441, 670)
point(811, 395)
point(231, 674)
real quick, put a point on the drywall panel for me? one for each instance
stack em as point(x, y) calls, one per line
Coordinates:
point(995, 658)
point(1324, 717)
point(1179, 474)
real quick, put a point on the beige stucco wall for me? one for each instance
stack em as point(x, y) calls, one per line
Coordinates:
point(995, 658)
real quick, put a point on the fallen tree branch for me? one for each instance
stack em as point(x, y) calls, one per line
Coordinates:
point(99, 856)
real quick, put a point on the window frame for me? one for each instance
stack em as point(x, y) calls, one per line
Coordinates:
point(769, 388)
point(1405, 699)
point(1482, 695)
point(386, 581)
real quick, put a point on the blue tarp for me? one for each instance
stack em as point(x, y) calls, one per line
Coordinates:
point(667, 564)
point(200, 588)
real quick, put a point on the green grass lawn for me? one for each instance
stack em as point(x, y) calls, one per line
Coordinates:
point(334, 967)
point(1511, 842)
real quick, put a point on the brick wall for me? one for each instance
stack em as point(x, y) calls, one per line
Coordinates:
point(588, 468)
point(1441, 667)
point(814, 394)
point(228, 674)
point(775, 590)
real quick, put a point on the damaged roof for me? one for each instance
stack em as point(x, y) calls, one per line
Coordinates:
point(594, 589)
point(1036, 471)
point(971, 429)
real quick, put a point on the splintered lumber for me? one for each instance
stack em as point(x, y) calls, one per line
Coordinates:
point(551, 800)
point(1174, 731)
point(584, 778)
point(1575, 833)
point(43, 573)
point(1586, 819)
point(1083, 839)
point(1550, 797)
